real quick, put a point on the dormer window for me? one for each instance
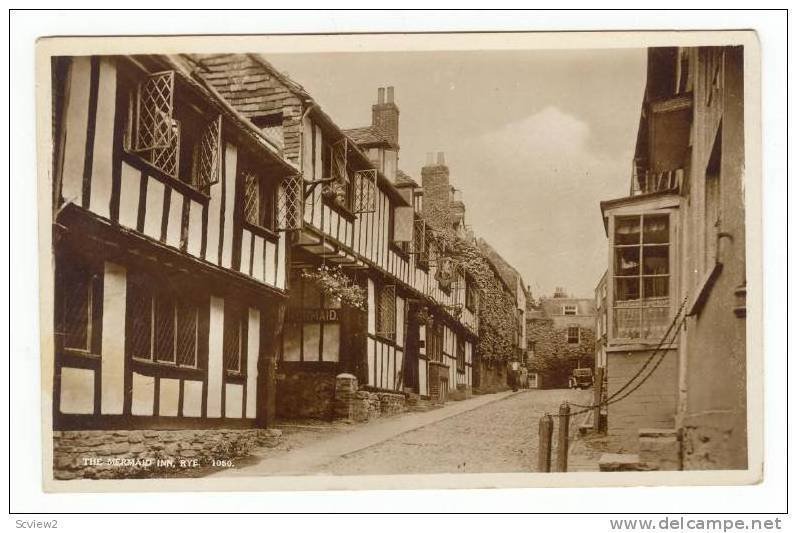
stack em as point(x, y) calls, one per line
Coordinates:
point(271, 126)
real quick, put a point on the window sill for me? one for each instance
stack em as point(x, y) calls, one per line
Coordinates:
point(266, 233)
point(164, 368)
point(398, 251)
point(234, 376)
point(638, 346)
point(175, 183)
point(340, 210)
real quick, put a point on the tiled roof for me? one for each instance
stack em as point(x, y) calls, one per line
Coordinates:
point(369, 135)
point(403, 178)
point(249, 83)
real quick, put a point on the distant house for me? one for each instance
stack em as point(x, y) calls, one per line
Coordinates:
point(560, 333)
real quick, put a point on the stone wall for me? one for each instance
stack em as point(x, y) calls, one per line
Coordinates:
point(490, 377)
point(710, 441)
point(361, 405)
point(303, 393)
point(141, 453)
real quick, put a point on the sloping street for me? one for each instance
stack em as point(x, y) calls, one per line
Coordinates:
point(491, 433)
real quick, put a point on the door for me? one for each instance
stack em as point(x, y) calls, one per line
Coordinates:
point(411, 381)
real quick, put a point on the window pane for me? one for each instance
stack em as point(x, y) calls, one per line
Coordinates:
point(656, 260)
point(655, 287)
point(139, 308)
point(657, 229)
point(626, 322)
point(232, 339)
point(626, 289)
point(655, 321)
point(77, 307)
point(164, 328)
point(251, 198)
point(626, 230)
point(626, 261)
point(186, 334)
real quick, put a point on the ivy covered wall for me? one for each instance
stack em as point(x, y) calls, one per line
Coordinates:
point(553, 356)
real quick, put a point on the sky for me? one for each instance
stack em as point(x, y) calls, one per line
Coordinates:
point(534, 140)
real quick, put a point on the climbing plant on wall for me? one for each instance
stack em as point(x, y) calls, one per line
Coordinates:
point(333, 282)
point(497, 321)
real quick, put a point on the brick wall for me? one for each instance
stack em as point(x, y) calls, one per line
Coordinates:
point(653, 405)
point(436, 192)
point(144, 453)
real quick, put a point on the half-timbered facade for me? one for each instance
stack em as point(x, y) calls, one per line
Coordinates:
point(352, 217)
point(171, 272)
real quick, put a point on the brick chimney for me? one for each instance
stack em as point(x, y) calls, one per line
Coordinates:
point(385, 114)
point(436, 191)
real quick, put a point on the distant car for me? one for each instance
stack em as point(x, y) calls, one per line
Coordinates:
point(581, 378)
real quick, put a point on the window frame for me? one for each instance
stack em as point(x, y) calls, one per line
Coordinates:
point(577, 337)
point(67, 269)
point(138, 287)
point(266, 190)
point(384, 290)
point(235, 318)
point(612, 302)
point(183, 101)
point(567, 307)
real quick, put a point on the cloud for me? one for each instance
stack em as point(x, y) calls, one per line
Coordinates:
point(533, 190)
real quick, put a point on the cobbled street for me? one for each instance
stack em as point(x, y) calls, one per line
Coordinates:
point(498, 437)
point(492, 433)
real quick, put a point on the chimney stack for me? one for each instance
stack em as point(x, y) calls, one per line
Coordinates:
point(385, 114)
point(436, 191)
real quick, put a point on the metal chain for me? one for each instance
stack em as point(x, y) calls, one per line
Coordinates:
point(614, 397)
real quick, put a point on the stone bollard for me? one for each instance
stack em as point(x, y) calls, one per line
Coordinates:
point(345, 396)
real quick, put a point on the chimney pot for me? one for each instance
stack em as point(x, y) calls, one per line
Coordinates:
point(390, 95)
point(429, 159)
point(441, 158)
point(381, 95)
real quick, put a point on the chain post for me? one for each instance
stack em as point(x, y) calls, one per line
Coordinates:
point(564, 437)
point(544, 448)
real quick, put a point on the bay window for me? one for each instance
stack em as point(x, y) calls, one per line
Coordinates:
point(641, 272)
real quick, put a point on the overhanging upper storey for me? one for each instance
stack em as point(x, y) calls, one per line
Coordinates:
point(664, 137)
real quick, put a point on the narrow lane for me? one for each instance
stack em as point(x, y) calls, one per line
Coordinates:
point(497, 437)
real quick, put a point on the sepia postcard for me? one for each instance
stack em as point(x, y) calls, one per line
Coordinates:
point(400, 261)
